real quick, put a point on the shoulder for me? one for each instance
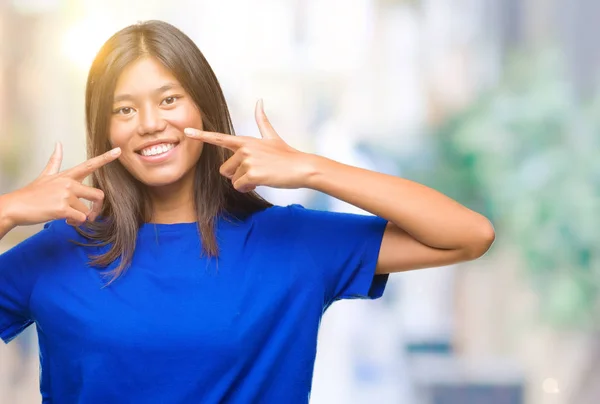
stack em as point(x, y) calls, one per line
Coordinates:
point(281, 217)
point(55, 236)
point(59, 226)
point(299, 221)
point(296, 222)
point(60, 230)
point(287, 212)
point(42, 247)
point(300, 215)
point(274, 223)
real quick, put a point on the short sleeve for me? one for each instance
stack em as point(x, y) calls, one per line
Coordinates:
point(345, 248)
point(19, 267)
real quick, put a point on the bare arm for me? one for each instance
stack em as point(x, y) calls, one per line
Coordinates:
point(426, 228)
point(5, 223)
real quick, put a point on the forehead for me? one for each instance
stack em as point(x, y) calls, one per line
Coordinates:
point(144, 75)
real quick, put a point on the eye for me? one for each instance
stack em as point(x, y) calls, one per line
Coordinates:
point(170, 100)
point(123, 111)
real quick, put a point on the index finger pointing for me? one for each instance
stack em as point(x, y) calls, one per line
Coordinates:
point(230, 142)
point(81, 171)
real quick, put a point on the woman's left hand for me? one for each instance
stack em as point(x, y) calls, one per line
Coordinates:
point(267, 161)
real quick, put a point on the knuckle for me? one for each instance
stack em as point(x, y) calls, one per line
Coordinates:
point(247, 163)
point(63, 210)
point(75, 222)
point(252, 175)
point(245, 151)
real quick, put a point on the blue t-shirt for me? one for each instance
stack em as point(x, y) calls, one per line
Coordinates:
point(178, 327)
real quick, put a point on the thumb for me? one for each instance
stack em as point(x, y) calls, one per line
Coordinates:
point(55, 161)
point(264, 126)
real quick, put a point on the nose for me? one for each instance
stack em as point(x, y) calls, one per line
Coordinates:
point(150, 121)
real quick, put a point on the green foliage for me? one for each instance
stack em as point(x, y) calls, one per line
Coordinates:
point(527, 155)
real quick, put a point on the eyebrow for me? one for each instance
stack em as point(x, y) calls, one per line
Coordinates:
point(160, 90)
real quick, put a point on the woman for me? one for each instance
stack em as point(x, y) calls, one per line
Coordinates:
point(180, 284)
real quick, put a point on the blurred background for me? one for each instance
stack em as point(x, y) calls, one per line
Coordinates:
point(493, 102)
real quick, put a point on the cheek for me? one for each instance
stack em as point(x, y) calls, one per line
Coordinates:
point(118, 134)
point(194, 149)
point(185, 116)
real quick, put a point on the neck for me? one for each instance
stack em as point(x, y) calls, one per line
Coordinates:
point(173, 203)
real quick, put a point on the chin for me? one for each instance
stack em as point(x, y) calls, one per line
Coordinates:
point(158, 184)
point(158, 181)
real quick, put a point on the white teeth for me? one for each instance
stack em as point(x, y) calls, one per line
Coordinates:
point(157, 149)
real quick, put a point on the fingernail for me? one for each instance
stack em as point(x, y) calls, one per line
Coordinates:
point(260, 104)
point(189, 131)
point(116, 151)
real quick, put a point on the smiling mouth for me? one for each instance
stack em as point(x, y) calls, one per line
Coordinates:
point(157, 149)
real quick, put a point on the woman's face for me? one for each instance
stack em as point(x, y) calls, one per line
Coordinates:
point(149, 113)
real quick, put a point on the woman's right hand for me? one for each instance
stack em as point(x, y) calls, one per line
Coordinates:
point(57, 195)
